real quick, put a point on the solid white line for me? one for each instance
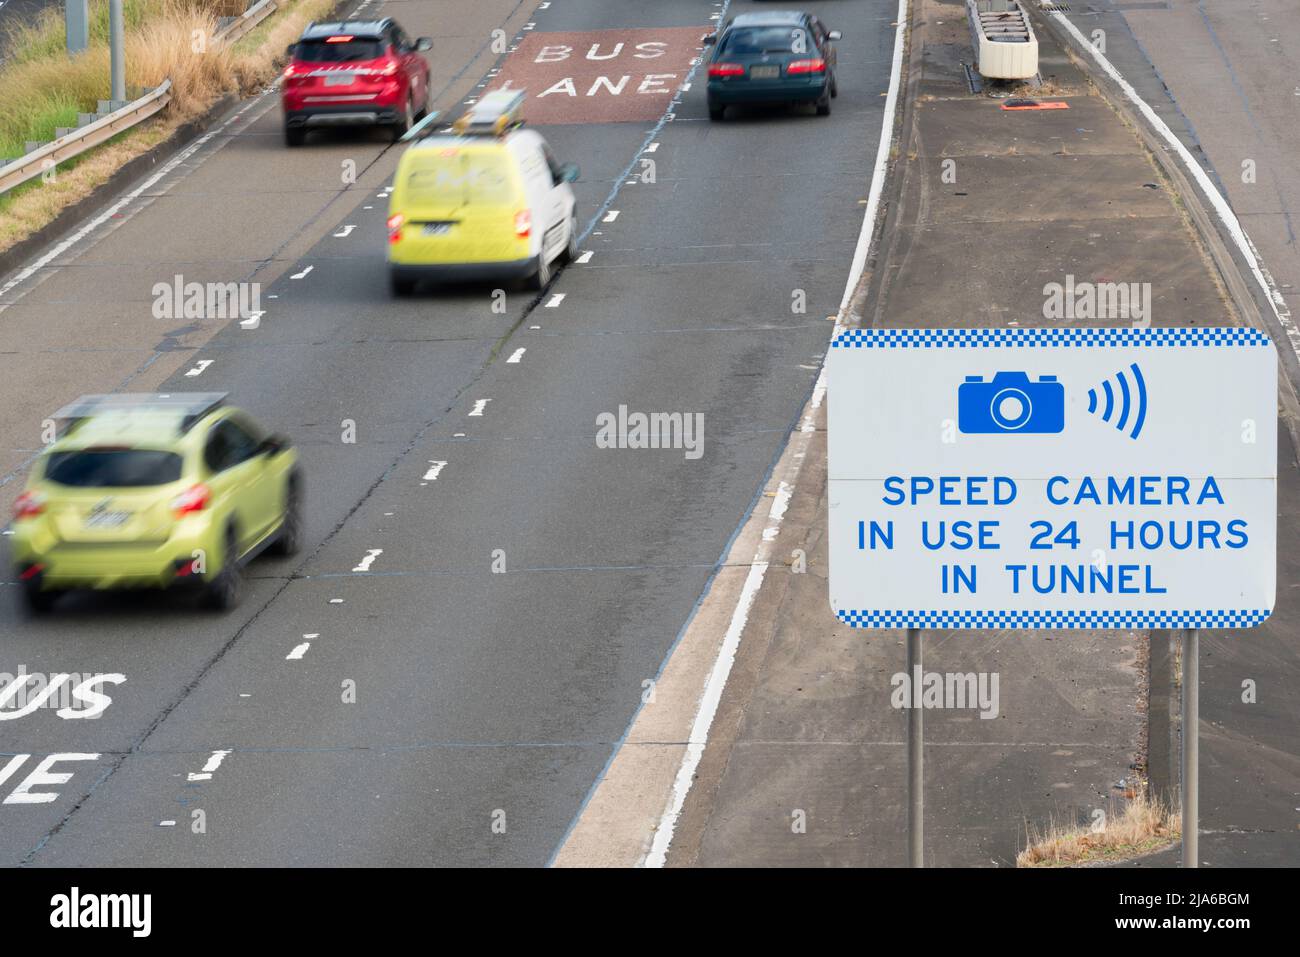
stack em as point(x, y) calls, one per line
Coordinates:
point(1217, 199)
point(177, 160)
point(713, 688)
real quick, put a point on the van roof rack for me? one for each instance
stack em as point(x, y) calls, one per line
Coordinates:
point(495, 114)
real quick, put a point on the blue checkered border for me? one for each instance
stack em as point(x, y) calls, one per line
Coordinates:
point(1203, 618)
point(1029, 338)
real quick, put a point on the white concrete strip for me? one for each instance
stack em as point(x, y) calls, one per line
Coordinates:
point(718, 676)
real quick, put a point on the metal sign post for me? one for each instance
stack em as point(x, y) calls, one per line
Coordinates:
point(915, 761)
point(1191, 746)
point(1058, 478)
point(76, 21)
point(117, 56)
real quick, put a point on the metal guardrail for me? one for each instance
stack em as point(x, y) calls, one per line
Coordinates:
point(78, 141)
point(242, 25)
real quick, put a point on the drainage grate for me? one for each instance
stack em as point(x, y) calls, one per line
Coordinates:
point(1050, 6)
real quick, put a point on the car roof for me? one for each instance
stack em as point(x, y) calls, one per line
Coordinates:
point(768, 18)
point(365, 29)
point(478, 142)
point(157, 421)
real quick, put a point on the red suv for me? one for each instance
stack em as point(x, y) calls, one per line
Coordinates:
point(359, 73)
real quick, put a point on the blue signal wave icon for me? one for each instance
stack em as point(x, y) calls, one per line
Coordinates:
point(1132, 404)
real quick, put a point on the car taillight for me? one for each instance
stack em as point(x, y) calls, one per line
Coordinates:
point(817, 65)
point(395, 222)
point(523, 223)
point(295, 69)
point(726, 69)
point(29, 505)
point(191, 500)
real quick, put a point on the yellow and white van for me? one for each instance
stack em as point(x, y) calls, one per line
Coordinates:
point(487, 201)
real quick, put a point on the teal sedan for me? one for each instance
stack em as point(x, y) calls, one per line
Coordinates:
point(780, 56)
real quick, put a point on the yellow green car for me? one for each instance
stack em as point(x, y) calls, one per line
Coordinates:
point(154, 491)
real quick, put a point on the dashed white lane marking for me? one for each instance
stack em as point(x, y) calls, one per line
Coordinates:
point(166, 823)
point(199, 367)
point(365, 563)
point(434, 469)
point(653, 147)
point(584, 258)
point(301, 275)
point(479, 406)
point(298, 652)
point(545, 6)
point(556, 300)
point(686, 87)
point(345, 231)
point(213, 762)
point(721, 671)
point(336, 601)
point(610, 216)
point(254, 319)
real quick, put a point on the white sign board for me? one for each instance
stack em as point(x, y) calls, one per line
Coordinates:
point(1052, 478)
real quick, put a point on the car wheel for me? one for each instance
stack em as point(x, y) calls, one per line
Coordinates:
point(824, 106)
point(571, 251)
point(294, 136)
point(537, 282)
point(222, 593)
point(400, 288)
point(289, 540)
point(716, 112)
point(423, 111)
point(403, 122)
point(36, 600)
point(835, 87)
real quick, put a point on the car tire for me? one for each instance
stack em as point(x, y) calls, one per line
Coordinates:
point(400, 288)
point(294, 136)
point(824, 106)
point(538, 280)
point(36, 600)
point(835, 87)
point(423, 111)
point(223, 592)
point(716, 112)
point(403, 122)
point(571, 251)
point(288, 541)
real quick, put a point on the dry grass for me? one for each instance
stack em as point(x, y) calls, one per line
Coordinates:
point(42, 88)
point(1143, 826)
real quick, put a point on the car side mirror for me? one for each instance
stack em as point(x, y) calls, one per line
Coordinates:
point(424, 44)
point(834, 35)
point(288, 51)
point(272, 445)
point(569, 173)
point(710, 39)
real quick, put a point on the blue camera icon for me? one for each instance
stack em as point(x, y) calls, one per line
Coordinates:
point(1011, 403)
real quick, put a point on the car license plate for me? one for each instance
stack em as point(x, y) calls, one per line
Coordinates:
point(340, 79)
point(764, 72)
point(107, 519)
point(437, 229)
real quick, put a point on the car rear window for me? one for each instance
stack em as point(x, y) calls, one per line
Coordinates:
point(344, 51)
point(113, 468)
point(743, 40)
point(460, 178)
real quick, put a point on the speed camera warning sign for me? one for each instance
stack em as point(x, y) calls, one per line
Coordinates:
point(1052, 478)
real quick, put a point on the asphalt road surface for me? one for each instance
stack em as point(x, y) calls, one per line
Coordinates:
point(486, 703)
